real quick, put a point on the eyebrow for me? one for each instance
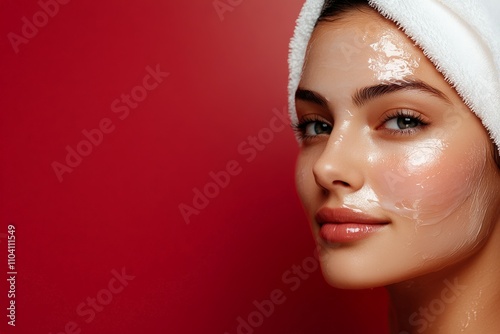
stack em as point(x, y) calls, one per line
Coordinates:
point(310, 96)
point(366, 94)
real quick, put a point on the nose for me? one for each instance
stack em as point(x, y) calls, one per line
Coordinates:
point(341, 166)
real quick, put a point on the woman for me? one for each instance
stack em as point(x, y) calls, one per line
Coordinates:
point(396, 108)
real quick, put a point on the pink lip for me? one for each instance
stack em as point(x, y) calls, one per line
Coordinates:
point(342, 225)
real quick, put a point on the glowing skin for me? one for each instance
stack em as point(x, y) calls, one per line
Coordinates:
point(392, 61)
point(384, 135)
point(434, 183)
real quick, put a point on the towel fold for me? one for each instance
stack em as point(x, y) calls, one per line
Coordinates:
point(460, 37)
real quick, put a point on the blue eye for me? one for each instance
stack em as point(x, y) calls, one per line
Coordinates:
point(404, 121)
point(317, 128)
point(310, 128)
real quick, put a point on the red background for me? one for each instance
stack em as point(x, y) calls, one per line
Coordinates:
point(120, 207)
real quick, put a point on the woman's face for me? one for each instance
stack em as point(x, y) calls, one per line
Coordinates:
point(395, 172)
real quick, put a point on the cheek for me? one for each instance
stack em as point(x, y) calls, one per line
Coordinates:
point(431, 190)
point(304, 181)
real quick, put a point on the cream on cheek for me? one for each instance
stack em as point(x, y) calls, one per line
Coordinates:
point(432, 188)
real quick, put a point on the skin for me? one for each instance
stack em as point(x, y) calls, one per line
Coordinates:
point(417, 158)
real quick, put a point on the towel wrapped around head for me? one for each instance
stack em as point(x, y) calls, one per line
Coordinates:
point(460, 37)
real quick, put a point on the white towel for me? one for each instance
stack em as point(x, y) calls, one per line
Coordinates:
point(461, 38)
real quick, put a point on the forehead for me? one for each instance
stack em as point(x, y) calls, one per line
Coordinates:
point(364, 48)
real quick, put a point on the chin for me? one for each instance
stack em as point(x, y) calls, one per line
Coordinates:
point(346, 267)
point(344, 271)
point(363, 267)
point(351, 280)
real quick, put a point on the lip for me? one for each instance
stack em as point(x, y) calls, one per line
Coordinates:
point(341, 225)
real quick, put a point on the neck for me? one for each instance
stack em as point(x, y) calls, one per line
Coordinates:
point(463, 299)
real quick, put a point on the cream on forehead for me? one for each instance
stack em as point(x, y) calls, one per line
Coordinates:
point(393, 61)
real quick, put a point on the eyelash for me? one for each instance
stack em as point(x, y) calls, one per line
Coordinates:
point(300, 127)
point(422, 123)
